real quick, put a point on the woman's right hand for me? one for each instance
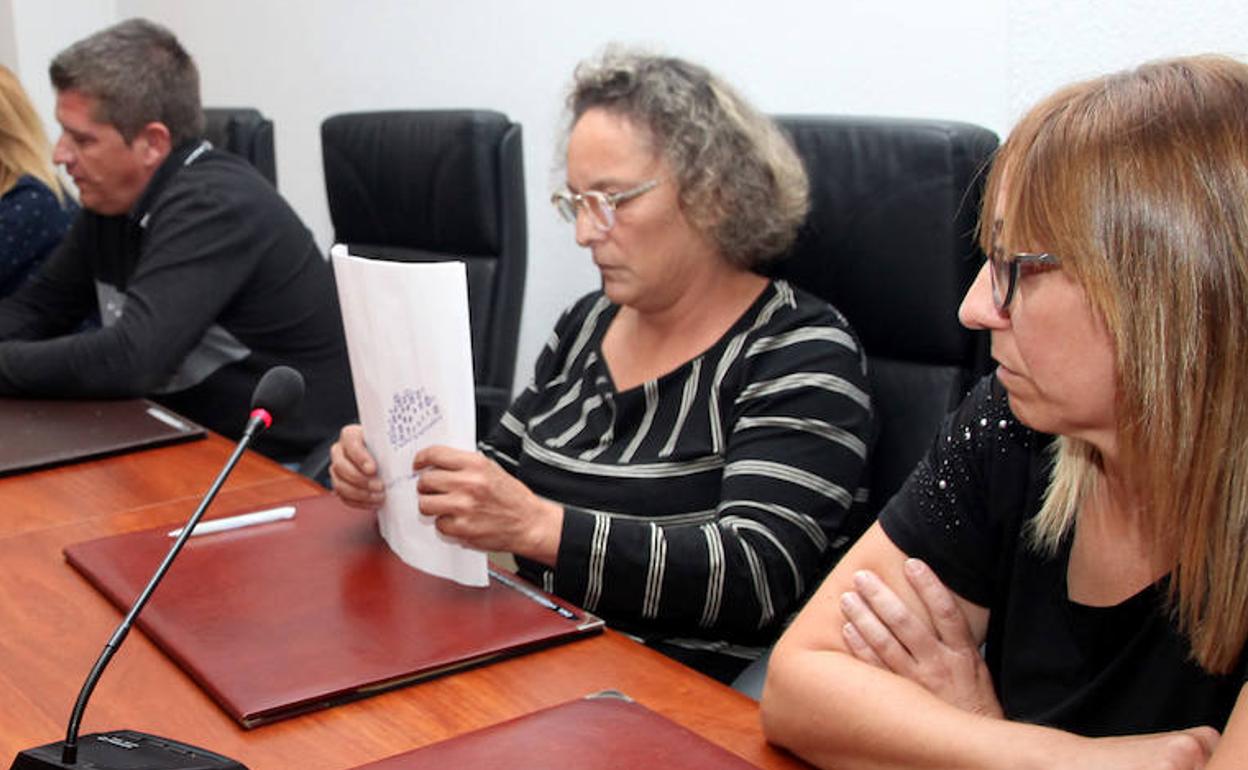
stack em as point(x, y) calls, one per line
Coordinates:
point(941, 652)
point(354, 471)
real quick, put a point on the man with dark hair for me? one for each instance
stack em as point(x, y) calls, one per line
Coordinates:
point(201, 275)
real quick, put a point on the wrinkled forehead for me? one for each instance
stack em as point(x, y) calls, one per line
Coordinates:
point(608, 149)
point(80, 107)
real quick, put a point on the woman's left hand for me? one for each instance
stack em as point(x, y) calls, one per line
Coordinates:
point(473, 500)
point(942, 655)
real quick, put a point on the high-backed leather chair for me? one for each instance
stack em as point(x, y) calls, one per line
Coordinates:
point(890, 241)
point(243, 131)
point(418, 186)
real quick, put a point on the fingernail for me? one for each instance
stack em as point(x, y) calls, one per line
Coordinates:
point(862, 578)
point(847, 600)
point(914, 567)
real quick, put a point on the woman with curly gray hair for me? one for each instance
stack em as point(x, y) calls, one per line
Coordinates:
point(687, 458)
point(739, 180)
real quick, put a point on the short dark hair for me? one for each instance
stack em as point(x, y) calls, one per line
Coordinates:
point(138, 73)
point(741, 182)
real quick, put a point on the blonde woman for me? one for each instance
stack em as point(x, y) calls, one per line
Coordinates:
point(1084, 515)
point(34, 211)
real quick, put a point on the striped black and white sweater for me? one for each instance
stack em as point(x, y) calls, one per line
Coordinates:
point(700, 506)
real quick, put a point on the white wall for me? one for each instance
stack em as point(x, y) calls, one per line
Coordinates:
point(39, 30)
point(1052, 42)
point(982, 61)
point(8, 40)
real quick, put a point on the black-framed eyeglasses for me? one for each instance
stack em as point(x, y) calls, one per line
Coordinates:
point(599, 205)
point(1005, 270)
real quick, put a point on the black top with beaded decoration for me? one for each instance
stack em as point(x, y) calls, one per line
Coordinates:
point(1091, 670)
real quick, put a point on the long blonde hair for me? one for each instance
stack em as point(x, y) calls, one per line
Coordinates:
point(24, 147)
point(1139, 182)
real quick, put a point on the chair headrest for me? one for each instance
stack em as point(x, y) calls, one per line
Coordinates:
point(890, 237)
point(416, 179)
point(243, 131)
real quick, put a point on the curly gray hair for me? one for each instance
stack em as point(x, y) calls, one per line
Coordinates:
point(740, 181)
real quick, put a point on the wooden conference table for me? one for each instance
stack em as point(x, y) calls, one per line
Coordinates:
point(53, 626)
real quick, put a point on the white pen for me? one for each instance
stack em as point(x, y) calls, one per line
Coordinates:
point(242, 520)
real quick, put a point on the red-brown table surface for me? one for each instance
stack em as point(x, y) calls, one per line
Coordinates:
point(54, 626)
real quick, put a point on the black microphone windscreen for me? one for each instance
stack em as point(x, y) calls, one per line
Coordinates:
point(279, 392)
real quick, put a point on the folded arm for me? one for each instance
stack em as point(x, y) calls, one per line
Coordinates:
point(825, 704)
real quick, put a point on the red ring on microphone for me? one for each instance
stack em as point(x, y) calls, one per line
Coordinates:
point(264, 416)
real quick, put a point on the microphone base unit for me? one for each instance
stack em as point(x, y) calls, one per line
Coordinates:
point(124, 750)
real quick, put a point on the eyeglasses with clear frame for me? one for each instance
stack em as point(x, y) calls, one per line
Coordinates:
point(600, 206)
point(1005, 271)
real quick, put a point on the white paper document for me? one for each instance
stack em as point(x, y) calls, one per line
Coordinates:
point(410, 348)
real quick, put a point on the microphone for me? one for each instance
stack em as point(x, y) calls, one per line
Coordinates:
point(276, 396)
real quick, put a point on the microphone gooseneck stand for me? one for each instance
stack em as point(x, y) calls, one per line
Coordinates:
point(278, 393)
point(69, 755)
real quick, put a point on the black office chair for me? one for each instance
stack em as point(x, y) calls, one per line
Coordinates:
point(419, 186)
point(890, 242)
point(243, 131)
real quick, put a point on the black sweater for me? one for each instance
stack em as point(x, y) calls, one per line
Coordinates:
point(210, 280)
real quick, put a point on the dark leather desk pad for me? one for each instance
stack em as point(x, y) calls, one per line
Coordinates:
point(283, 618)
point(37, 434)
point(600, 732)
